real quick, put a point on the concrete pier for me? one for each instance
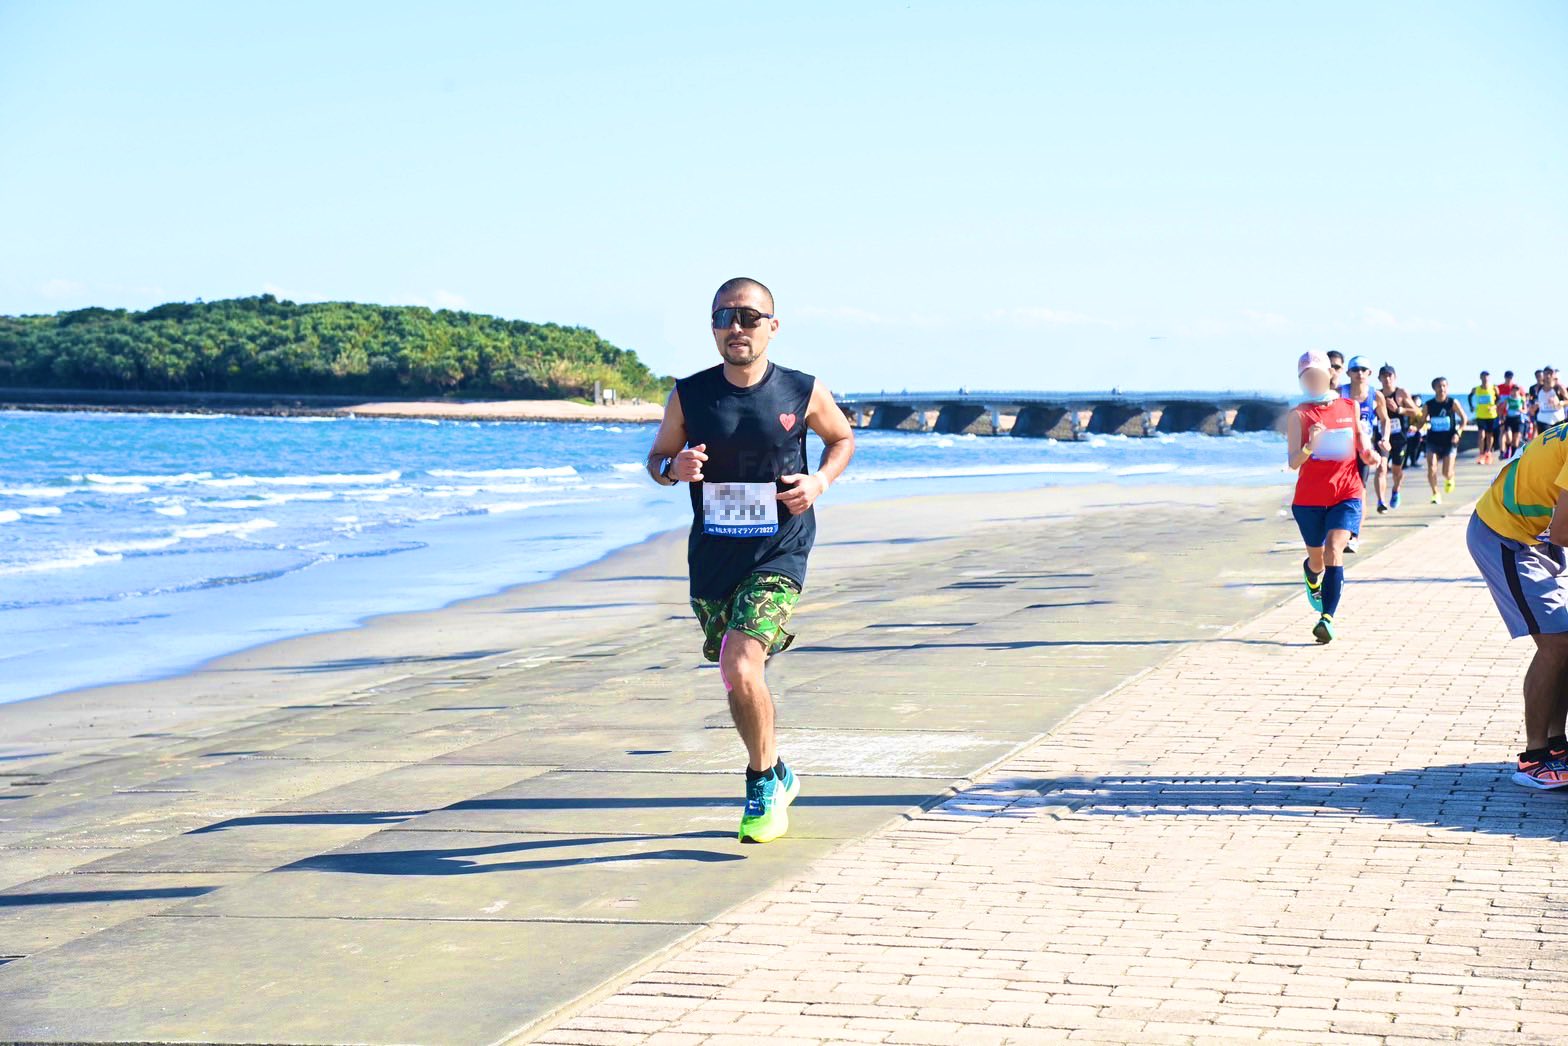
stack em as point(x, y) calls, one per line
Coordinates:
point(1067, 415)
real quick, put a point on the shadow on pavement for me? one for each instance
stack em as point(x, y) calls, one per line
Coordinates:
point(311, 818)
point(378, 662)
point(1477, 797)
point(461, 860)
point(14, 900)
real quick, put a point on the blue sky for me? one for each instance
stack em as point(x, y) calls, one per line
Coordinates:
point(981, 194)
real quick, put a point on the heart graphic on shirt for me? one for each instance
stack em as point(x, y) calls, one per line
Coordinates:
point(787, 420)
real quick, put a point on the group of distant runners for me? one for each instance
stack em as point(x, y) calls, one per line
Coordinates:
point(735, 433)
point(1348, 439)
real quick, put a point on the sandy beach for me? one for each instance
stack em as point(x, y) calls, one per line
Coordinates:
point(291, 837)
point(512, 410)
point(285, 405)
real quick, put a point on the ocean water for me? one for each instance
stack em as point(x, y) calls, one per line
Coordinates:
point(138, 545)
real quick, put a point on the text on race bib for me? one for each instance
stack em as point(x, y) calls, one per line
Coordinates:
point(1336, 445)
point(740, 510)
point(1441, 423)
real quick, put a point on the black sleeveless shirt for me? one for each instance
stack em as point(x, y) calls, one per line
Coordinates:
point(753, 435)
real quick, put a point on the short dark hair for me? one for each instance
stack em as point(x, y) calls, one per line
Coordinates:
point(1387, 368)
point(1436, 382)
point(740, 283)
point(1508, 373)
point(1336, 356)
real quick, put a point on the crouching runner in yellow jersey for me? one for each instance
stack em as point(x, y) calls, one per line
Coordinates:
point(1516, 537)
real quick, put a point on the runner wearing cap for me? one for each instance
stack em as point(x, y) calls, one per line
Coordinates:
point(1404, 438)
point(1551, 404)
point(1325, 438)
point(1483, 404)
point(1511, 414)
point(1516, 537)
point(1445, 420)
point(1374, 423)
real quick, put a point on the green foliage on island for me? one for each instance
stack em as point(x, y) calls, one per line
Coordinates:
point(263, 344)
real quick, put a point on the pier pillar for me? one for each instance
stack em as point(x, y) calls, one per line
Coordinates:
point(1188, 416)
point(898, 416)
point(963, 418)
point(1120, 419)
point(1259, 416)
point(1045, 421)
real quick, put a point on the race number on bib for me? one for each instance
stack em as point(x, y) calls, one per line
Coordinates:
point(1336, 445)
point(1442, 423)
point(740, 510)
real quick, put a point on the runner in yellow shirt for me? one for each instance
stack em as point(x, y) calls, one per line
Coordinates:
point(1516, 538)
point(1483, 407)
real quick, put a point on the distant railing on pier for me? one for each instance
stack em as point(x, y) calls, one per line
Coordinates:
point(1068, 414)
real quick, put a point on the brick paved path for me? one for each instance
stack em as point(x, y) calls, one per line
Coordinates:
point(1257, 840)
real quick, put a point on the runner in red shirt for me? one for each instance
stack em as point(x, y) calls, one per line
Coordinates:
point(1510, 401)
point(1326, 437)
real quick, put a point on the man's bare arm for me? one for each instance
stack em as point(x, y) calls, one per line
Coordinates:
point(827, 420)
point(832, 426)
point(670, 440)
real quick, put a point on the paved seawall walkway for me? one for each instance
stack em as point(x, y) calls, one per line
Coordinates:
point(1255, 840)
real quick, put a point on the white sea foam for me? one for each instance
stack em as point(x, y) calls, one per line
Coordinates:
point(628, 466)
point(80, 558)
point(182, 477)
point(118, 488)
point(9, 515)
point(1149, 470)
point(271, 499)
point(38, 492)
point(536, 472)
point(144, 545)
point(515, 506)
point(212, 530)
point(325, 479)
point(41, 510)
point(170, 510)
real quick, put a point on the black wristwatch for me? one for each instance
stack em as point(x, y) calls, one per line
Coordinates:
point(664, 472)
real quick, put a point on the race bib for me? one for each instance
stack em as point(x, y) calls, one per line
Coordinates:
point(1441, 423)
point(1336, 445)
point(740, 510)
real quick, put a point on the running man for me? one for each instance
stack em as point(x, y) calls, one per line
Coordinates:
point(736, 433)
point(1516, 537)
point(1483, 405)
point(1325, 438)
point(1374, 423)
point(1336, 368)
point(1512, 414)
point(1404, 443)
point(1551, 403)
point(1445, 420)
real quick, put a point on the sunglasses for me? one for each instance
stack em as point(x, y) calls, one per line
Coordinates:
point(748, 318)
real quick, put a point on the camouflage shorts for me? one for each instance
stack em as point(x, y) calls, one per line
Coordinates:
point(760, 607)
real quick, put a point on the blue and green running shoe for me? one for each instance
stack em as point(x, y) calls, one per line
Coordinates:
point(1323, 631)
point(1314, 588)
point(766, 816)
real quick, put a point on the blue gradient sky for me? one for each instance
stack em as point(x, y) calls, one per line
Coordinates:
point(979, 194)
